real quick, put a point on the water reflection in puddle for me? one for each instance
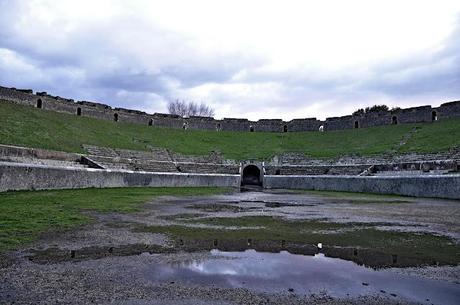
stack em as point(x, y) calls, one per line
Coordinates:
point(300, 274)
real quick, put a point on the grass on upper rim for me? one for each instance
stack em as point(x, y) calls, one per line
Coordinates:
point(31, 127)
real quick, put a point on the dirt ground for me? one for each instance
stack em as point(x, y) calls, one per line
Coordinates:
point(106, 262)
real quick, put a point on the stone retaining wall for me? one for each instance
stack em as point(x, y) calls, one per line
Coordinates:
point(437, 186)
point(14, 176)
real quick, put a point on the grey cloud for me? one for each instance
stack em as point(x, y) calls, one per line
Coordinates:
point(147, 64)
point(107, 68)
point(424, 73)
point(432, 74)
point(130, 81)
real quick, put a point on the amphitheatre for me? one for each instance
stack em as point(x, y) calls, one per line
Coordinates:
point(117, 206)
point(417, 174)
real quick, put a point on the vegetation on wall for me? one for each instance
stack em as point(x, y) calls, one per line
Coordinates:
point(375, 108)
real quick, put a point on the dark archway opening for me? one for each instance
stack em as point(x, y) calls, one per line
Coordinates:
point(285, 128)
point(394, 120)
point(39, 104)
point(79, 111)
point(218, 127)
point(251, 176)
point(251, 128)
point(434, 116)
point(278, 172)
point(356, 124)
point(150, 122)
point(115, 117)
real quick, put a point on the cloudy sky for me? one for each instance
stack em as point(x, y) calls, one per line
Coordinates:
point(255, 59)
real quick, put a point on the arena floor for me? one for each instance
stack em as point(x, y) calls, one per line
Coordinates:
point(279, 247)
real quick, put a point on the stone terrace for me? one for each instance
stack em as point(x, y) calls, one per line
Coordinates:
point(162, 160)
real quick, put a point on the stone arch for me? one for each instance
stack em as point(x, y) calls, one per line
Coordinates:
point(434, 116)
point(394, 120)
point(285, 128)
point(150, 122)
point(115, 117)
point(278, 172)
point(218, 127)
point(79, 111)
point(251, 175)
point(251, 128)
point(184, 126)
point(356, 124)
point(39, 103)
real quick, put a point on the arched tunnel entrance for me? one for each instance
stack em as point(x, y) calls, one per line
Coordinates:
point(251, 176)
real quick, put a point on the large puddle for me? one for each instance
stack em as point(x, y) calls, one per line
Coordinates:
point(303, 275)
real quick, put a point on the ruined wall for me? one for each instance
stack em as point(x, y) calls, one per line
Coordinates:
point(337, 123)
point(310, 124)
point(236, 124)
point(205, 123)
point(414, 115)
point(448, 110)
point(373, 119)
point(101, 111)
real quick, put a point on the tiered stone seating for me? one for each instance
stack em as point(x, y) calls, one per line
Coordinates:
point(410, 164)
point(315, 169)
point(17, 154)
point(134, 164)
point(100, 151)
point(209, 168)
point(214, 158)
point(159, 160)
point(157, 154)
point(301, 159)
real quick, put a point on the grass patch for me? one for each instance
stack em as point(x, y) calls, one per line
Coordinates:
point(26, 214)
point(28, 126)
point(426, 247)
point(438, 136)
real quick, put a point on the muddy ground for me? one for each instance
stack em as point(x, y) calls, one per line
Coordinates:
point(107, 262)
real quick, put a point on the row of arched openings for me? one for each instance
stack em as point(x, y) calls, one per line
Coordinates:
point(394, 119)
point(39, 105)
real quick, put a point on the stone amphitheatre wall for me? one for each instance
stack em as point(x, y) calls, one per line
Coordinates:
point(102, 111)
point(14, 176)
point(437, 186)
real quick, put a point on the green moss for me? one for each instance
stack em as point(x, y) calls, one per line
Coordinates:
point(28, 126)
point(24, 215)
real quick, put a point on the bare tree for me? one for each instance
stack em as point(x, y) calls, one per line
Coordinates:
point(187, 109)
